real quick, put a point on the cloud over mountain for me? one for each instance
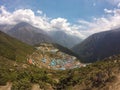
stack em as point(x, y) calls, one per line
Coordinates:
point(41, 21)
point(82, 28)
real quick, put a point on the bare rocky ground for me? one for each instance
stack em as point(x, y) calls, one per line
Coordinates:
point(36, 87)
point(6, 87)
point(115, 85)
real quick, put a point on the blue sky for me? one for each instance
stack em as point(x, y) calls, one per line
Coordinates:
point(70, 9)
point(75, 17)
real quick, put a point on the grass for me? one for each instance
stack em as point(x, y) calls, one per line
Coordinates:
point(13, 49)
point(96, 75)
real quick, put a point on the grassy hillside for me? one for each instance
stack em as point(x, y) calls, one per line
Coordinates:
point(97, 76)
point(101, 75)
point(23, 75)
point(13, 49)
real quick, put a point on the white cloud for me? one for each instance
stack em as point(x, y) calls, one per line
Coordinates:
point(118, 5)
point(108, 11)
point(60, 23)
point(82, 29)
point(23, 15)
point(39, 12)
point(63, 24)
point(102, 24)
point(41, 21)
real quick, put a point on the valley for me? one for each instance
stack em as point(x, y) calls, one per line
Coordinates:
point(60, 45)
point(50, 66)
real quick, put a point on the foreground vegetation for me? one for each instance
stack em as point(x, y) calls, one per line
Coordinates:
point(23, 75)
point(95, 76)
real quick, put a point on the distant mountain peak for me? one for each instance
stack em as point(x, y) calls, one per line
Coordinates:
point(29, 34)
point(21, 24)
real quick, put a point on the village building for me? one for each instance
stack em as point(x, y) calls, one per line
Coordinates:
point(48, 56)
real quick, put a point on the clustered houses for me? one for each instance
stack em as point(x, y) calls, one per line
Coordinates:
point(48, 56)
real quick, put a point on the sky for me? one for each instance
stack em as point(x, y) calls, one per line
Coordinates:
point(76, 17)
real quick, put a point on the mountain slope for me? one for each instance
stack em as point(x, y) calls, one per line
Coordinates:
point(29, 34)
point(99, 46)
point(5, 27)
point(32, 35)
point(102, 75)
point(13, 49)
point(65, 39)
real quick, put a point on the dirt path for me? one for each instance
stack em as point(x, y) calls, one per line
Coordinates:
point(7, 87)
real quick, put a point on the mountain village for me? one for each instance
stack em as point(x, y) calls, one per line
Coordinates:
point(47, 56)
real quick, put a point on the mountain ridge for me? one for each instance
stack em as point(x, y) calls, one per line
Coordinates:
point(29, 34)
point(65, 39)
point(99, 46)
point(32, 35)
